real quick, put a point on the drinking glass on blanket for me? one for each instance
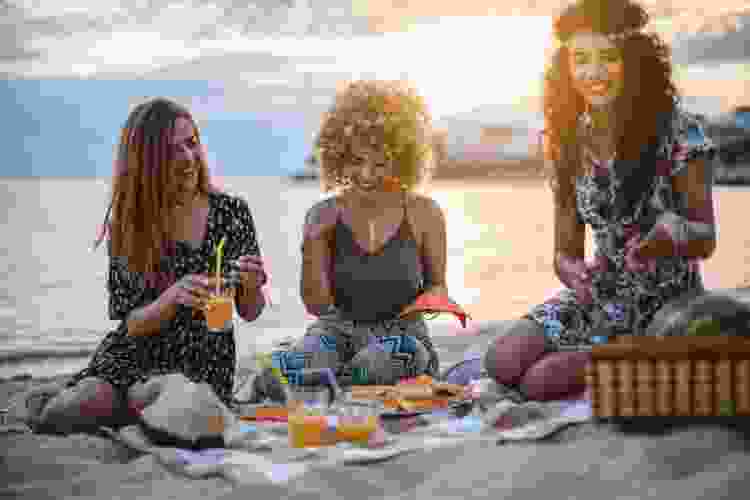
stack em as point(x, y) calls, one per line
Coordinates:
point(309, 397)
point(313, 420)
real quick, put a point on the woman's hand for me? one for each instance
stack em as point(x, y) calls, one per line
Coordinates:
point(250, 272)
point(640, 253)
point(192, 290)
point(576, 275)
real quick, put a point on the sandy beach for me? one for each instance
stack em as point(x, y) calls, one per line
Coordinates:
point(503, 231)
point(588, 461)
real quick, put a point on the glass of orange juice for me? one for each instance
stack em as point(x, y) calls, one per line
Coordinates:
point(219, 311)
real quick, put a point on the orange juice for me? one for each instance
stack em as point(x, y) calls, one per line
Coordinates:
point(308, 431)
point(218, 312)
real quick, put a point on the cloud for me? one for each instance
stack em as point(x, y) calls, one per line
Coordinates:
point(53, 38)
point(289, 54)
point(70, 40)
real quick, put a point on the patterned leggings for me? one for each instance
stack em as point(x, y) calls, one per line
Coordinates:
point(388, 349)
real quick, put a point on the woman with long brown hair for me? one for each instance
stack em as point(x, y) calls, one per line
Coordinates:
point(620, 163)
point(164, 222)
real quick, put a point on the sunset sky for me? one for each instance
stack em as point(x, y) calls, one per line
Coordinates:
point(474, 58)
point(461, 54)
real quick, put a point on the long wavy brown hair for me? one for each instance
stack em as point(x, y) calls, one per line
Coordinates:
point(640, 112)
point(144, 188)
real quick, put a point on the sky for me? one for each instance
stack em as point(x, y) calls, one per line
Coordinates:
point(271, 66)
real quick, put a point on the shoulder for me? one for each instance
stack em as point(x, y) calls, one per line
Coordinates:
point(325, 210)
point(228, 202)
point(426, 208)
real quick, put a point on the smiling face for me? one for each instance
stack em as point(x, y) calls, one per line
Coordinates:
point(186, 155)
point(596, 66)
point(369, 171)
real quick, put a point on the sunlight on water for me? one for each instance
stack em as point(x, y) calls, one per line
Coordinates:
point(499, 244)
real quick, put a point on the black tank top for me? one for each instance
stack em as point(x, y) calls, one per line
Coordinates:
point(375, 287)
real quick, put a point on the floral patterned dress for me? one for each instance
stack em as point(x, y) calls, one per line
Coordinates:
point(185, 346)
point(623, 301)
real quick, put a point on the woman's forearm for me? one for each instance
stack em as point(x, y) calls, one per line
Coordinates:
point(315, 285)
point(150, 319)
point(250, 303)
point(674, 235)
point(316, 296)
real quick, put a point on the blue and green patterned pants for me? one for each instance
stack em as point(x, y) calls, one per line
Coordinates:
point(389, 350)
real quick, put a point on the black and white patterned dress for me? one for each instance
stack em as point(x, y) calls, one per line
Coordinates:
point(624, 301)
point(185, 346)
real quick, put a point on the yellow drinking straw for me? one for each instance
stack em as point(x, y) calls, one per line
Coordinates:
point(219, 251)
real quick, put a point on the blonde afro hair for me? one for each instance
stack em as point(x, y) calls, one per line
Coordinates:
point(383, 115)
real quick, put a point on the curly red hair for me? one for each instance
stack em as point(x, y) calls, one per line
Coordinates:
point(648, 92)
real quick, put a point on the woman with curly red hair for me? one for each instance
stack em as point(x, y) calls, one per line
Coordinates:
point(620, 163)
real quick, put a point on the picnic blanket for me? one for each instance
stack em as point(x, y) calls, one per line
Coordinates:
point(261, 452)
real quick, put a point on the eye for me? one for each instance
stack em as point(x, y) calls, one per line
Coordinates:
point(581, 58)
point(611, 56)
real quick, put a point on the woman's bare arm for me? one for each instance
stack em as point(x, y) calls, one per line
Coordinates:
point(151, 318)
point(434, 246)
point(569, 234)
point(692, 233)
point(315, 285)
point(315, 281)
point(569, 231)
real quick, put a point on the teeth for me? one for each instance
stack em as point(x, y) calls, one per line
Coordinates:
point(599, 87)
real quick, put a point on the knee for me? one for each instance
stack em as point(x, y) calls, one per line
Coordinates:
point(510, 354)
point(314, 350)
point(80, 408)
point(421, 359)
point(556, 375)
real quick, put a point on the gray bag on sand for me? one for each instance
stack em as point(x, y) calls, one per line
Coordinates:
point(725, 315)
point(186, 415)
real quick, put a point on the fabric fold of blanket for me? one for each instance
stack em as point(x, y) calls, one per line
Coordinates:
point(255, 454)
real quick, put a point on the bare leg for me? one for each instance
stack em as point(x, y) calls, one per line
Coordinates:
point(81, 408)
point(556, 375)
point(511, 354)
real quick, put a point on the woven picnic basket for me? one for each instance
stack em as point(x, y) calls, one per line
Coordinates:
point(670, 376)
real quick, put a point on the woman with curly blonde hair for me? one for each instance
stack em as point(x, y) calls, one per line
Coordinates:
point(374, 246)
point(621, 163)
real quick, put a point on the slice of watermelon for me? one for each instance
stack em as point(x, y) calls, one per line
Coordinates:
point(436, 303)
